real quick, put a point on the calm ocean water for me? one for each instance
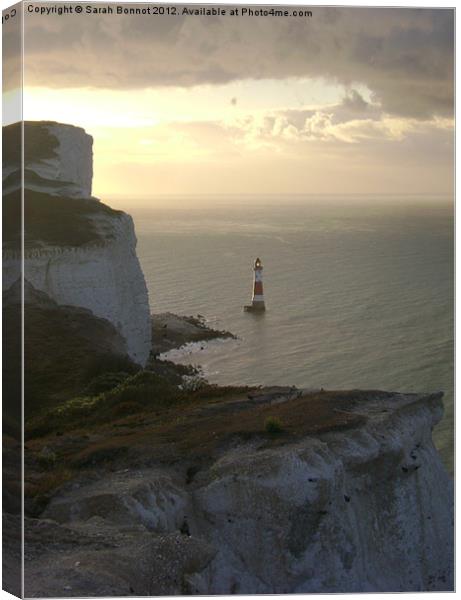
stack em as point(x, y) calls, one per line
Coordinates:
point(359, 291)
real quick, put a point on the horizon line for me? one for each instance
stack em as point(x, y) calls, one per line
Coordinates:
point(270, 194)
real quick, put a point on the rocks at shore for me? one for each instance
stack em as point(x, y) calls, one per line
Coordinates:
point(170, 331)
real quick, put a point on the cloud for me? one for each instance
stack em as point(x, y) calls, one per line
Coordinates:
point(351, 121)
point(350, 128)
point(270, 154)
point(404, 56)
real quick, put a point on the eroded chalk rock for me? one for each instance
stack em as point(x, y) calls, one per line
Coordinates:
point(58, 159)
point(368, 508)
point(128, 498)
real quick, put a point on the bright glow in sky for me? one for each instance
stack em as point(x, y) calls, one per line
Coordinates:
point(148, 107)
point(245, 137)
point(188, 106)
point(11, 106)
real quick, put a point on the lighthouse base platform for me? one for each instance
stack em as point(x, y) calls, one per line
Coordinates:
point(255, 307)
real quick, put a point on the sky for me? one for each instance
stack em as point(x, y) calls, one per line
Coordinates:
point(351, 100)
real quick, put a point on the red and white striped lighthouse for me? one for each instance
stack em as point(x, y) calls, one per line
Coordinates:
point(257, 302)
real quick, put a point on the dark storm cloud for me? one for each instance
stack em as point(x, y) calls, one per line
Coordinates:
point(404, 56)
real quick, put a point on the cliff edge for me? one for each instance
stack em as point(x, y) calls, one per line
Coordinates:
point(77, 250)
point(58, 159)
point(349, 496)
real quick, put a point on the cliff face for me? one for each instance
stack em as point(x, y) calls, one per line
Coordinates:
point(362, 503)
point(77, 250)
point(362, 511)
point(58, 159)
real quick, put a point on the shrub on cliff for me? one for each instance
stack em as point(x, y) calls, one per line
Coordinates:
point(273, 425)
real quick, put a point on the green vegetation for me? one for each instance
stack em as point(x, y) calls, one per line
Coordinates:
point(147, 389)
point(55, 221)
point(66, 350)
point(111, 396)
point(143, 392)
point(47, 458)
point(273, 425)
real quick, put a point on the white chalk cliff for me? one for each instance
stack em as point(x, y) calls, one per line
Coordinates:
point(368, 510)
point(362, 509)
point(77, 250)
point(58, 159)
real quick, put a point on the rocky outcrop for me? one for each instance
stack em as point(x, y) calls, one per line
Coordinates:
point(58, 159)
point(364, 507)
point(78, 251)
point(170, 331)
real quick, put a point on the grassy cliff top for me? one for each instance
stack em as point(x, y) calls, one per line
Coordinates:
point(54, 221)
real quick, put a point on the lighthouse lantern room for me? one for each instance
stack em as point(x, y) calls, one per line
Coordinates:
point(257, 303)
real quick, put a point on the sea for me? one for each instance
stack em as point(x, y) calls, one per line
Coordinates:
point(359, 289)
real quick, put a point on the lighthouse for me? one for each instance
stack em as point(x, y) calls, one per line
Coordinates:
point(257, 302)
